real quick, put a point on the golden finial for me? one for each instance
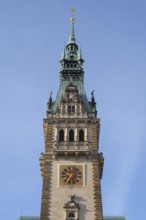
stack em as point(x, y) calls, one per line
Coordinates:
point(72, 11)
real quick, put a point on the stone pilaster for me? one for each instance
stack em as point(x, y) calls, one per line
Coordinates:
point(97, 189)
point(46, 190)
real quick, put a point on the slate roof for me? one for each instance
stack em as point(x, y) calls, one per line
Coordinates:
point(105, 218)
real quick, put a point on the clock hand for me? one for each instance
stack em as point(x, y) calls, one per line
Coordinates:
point(70, 176)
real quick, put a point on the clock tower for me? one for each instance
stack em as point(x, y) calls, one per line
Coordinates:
point(71, 165)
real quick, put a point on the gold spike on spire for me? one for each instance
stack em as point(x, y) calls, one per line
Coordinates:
point(72, 10)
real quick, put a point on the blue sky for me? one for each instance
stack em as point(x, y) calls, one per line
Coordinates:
point(112, 36)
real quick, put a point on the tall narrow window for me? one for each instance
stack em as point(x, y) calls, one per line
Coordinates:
point(71, 135)
point(61, 135)
point(69, 109)
point(81, 135)
point(73, 108)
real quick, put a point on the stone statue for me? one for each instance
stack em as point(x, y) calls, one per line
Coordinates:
point(93, 102)
point(72, 197)
point(50, 101)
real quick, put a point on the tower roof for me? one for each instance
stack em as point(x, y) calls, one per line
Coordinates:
point(71, 70)
point(72, 39)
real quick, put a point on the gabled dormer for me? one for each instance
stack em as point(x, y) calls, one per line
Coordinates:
point(71, 103)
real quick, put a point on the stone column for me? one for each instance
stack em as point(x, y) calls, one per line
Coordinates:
point(86, 134)
point(56, 134)
point(66, 109)
point(66, 134)
point(61, 108)
point(76, 134)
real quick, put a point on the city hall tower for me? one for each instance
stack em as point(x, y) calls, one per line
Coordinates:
point(71, 164)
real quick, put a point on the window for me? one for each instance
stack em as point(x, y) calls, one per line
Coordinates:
point(71, 215)
point(69, 109)
point(71, 57)
point(61, 135)
point(81, 135)
point(71, 135)
point(73, 109)
point(72, 209)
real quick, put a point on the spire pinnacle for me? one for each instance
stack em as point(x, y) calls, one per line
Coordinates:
point(72, 34)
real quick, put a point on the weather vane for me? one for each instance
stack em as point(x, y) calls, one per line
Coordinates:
point(72, 11)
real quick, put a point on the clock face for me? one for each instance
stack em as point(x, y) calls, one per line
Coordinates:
point(71, 175)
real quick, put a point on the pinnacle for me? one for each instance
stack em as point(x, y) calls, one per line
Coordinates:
point(72, 39)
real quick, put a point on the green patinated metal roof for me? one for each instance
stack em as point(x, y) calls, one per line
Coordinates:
point(105, 218)
point(71, 70)
point(29, 218)
point(72, 39)
point(114, 218)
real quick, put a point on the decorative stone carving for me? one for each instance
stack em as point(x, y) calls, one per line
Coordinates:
point(72, 209)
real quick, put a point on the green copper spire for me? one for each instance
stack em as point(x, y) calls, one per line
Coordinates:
point(72, 39)
point(71, 71)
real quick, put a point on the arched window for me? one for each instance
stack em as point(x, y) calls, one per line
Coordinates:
point(61, 135)
point(69, 109)
point(71, 135)
point(81, 135)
